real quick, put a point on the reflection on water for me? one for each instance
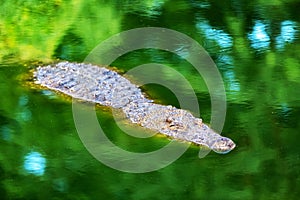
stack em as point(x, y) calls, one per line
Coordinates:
point(231, 81)
point(8, 127)
point(224, 60)
point(60, 184)
point(284, 114)
point(287, 34)
point(35, 163)
point(259, 37)
point(183, 51)
point(150, 8)
point(50, 94)
point(263, 99)
point(224, 40)
point(24, 113)
point(6, 132)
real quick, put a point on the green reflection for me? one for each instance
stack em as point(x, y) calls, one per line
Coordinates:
point(32, 30)
point(262, 86)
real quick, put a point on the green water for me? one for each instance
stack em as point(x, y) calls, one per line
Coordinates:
point(256, 47)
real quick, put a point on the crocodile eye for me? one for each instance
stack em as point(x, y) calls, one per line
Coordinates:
point(169, 120)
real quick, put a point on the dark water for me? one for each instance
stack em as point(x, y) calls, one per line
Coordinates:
point(256, 47)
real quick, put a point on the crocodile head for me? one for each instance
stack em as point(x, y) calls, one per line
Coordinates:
point(222, 145)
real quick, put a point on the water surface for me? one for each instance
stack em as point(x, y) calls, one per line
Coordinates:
point(256, 47)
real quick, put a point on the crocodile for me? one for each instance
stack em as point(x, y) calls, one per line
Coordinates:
point(106, 87)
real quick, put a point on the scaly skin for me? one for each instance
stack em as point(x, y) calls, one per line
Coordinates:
point(106, 87)
point(177, 123)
